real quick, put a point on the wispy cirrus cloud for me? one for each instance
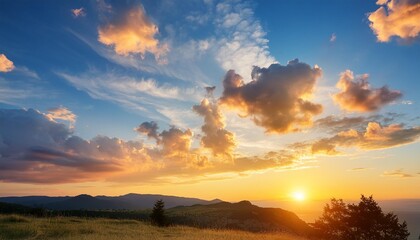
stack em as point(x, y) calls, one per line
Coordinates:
point(398, 18)
point(141, 94)
point(399, 173)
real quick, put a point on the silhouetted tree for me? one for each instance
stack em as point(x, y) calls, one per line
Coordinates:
point(362, 221)
point(158, 214)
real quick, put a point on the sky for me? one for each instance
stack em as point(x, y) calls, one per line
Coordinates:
point(230, 99)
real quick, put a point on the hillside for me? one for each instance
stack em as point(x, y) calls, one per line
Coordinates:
point(242, 215)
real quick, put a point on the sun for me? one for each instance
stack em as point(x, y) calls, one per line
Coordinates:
point(298, 196)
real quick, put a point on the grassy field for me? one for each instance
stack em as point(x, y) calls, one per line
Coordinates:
point(20, 227)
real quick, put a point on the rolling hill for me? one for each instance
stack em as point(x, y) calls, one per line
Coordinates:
point(130, 201)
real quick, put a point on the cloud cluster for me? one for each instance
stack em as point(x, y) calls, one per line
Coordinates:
point(33, 148)
point(396, 18)
point(375, 136)
point(334, 124)
point(133, 33)
point(216, 137)
point(5, 64)
point(357, 95)
point(78, 12)
point(277, 97)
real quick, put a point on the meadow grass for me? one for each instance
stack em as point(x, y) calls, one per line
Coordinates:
point(72, 228)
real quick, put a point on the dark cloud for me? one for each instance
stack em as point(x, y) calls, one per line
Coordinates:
point(277, 96)
point(34, 148)
point(150, 129)
point(357, 95)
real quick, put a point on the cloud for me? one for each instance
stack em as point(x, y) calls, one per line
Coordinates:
point(140, 94)
point(35, 149)
point(243, 44)
point(373, 137)
point(61, 113)
point(78, 12)
point(356, 94)
point(359, 169)
point(150, 129)
point(134, 33)
point(175, 142)
point(276, 98)
point(216, 137)
point(398, 18)
point(333, 37)
point(334, 124)
point(5, 64)
point(399, 173)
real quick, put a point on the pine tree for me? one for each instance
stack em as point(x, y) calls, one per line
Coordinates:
point(158, 214)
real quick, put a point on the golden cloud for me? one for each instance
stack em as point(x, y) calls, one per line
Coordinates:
point(134, 33)
point(61, 113)
point(396, 18)
point(276, 98)
point(373, 137)
point(357, 95)
point(5, 64)
point(216, 137)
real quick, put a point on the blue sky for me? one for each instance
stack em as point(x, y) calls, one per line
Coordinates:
point(61, 60)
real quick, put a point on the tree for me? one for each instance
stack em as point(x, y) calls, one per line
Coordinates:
point(362, 221)
point(158, 214)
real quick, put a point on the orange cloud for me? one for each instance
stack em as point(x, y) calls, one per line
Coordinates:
point(134, 33)
point(5, 64)
point(396, 18)
point(61, 113)
point(356, 94)
point(277, 96)
point(373, 137)
point(36, 149)
point(216, 137)
point(78, 12)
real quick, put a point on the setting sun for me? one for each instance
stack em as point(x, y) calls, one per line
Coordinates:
point(299, 196)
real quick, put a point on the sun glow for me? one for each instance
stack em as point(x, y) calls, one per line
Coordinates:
point(298, 196)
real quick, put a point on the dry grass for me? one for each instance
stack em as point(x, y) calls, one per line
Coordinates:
point(70, 228)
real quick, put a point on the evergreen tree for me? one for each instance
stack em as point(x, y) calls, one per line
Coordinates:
point(158, 214)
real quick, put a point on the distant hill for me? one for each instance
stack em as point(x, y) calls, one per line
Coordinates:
point(129, 202)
